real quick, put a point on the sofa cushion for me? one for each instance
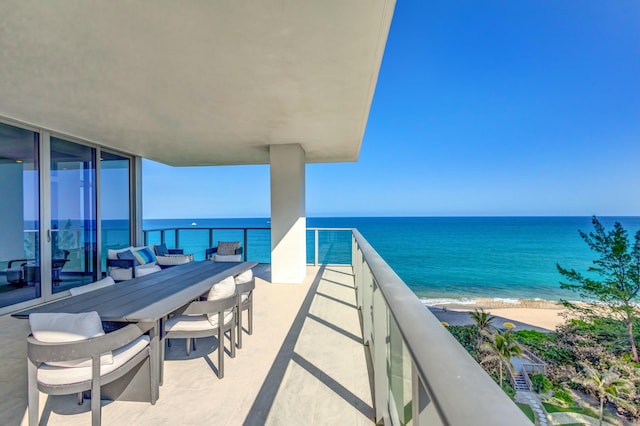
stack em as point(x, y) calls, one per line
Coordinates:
point(65, 328)
point(226, 248)
point(174, 259)
point(122, 274)
point(51, 375)
point(91, 287)
point(128, 255)
point(227, 258)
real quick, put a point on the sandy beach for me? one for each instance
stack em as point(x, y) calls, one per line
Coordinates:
point(536, 313)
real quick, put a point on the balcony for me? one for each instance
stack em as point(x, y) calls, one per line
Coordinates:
point(351, 345)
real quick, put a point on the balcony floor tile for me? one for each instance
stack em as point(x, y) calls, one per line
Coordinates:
point(304, 364)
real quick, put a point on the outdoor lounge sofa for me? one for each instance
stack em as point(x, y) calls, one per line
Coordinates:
point(131, 262)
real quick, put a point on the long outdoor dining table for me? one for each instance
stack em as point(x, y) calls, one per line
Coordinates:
point(147, 299)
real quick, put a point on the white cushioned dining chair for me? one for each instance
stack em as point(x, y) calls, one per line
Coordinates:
point(212, 317)
point(70, 353)
point(245, 284)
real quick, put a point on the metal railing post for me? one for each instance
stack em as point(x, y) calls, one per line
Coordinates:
point(245, 245)
point(177, 238)
point(316, 248)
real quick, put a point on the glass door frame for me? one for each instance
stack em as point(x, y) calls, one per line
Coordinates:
point(44, 157)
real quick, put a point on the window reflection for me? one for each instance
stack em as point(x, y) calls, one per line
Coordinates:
point(73, 214)
point(19, 215)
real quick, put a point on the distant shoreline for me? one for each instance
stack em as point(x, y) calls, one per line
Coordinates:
point(542, 314)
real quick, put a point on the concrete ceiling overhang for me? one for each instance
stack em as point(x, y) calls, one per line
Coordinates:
point(196, 82)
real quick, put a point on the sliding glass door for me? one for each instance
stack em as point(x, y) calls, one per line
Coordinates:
point(19, 215)
point(73, 233)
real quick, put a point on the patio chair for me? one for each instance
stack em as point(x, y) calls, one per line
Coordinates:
point(69, 353)
point(245, 284)
point(213, 317)
point(225, 252)
point(15, 271)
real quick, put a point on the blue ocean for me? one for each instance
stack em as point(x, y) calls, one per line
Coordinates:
point(440, 258)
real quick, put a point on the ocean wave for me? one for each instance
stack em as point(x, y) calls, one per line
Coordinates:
point(448, 301)
point(507, 300)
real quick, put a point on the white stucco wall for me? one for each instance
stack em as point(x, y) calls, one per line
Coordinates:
point(288, 215)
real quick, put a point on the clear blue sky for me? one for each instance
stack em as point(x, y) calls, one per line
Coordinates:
point(481, 108)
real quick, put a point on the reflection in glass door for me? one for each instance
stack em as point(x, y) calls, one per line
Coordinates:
point(114, 203)
point(19, 215)
point(73, 215)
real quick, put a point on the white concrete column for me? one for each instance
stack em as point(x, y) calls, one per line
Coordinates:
point(288, 216)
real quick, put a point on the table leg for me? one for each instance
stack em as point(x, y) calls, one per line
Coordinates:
point(155, 353)
point(162, 349)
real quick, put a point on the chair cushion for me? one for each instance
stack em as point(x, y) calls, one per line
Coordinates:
point(113, 253)
point(227, 248)
point(222, 290)
point(145, 255)
point(196, 322)
point(244, 277)
point(227, 258)
point(161, 249)
point(50, 375)
point(174, 259)
point(91, 287)
point(64, 328)
point(244, 297)
point(128, 254)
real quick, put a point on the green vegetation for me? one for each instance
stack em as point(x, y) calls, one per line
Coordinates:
point(498, 349)
point(527, 410)
point(563, 396)
point(615, 293)
point(551, 408)
point(607, 386)
point(541, 383)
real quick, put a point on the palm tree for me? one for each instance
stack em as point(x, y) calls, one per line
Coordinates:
point(483, 322)
point(605, 386)
point(500, 347)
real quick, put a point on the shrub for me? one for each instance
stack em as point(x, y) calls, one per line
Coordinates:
point(541, 383)
point(466, 335)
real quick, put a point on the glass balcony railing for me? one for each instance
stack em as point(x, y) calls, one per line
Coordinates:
point(327, 246)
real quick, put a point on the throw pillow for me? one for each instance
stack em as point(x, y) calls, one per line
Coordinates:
point(64, 328)
point(146, 255)
point(128, 254)
point(161, 249)
point(227, 248)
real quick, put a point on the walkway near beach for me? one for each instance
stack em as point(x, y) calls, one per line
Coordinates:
point(463, 318)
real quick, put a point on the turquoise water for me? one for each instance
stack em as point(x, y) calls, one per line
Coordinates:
point(439, 258)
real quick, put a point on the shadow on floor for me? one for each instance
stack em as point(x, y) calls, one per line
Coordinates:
point(266, 396)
